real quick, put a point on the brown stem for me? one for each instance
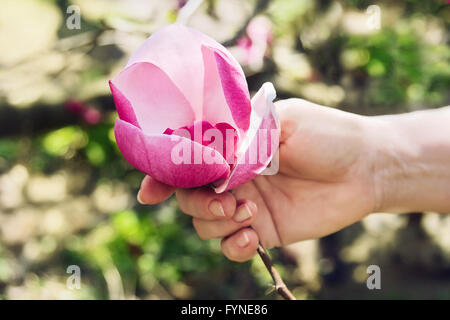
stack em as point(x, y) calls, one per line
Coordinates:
point(279, 284)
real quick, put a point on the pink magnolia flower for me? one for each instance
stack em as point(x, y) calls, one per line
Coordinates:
point(86, 112)
point(256, 41)
point(181, 4)
point(185, 115)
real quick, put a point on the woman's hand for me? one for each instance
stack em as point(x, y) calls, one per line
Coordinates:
point(324, 183)
point(335, 168)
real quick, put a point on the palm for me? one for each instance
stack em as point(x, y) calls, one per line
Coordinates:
point(320, 187)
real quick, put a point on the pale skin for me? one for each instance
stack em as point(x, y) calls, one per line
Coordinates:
point(335, 169)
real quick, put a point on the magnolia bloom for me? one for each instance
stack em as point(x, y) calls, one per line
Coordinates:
point(254, 44)
point(87, 113)
point(185, 115)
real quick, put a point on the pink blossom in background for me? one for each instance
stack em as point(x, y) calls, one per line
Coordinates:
point(185, 115)
point(75, 106)
point(256, 41)
point(86, 112)
point(92, 116)
point(181, 3)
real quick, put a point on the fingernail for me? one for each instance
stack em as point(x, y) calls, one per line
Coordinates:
point(139, 199)
point(243, 213)
point(243, 240)
point(216, 208)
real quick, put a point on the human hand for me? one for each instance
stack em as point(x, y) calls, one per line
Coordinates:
point(325, 182)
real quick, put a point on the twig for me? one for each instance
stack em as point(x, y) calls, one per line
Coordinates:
point(188, 10)
point(279, 284)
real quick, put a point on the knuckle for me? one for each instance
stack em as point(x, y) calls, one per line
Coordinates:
point(203, 237)
point(200, 231)
point(195, 224)
point(182, 202)
point(235, 257)
point(229, 254)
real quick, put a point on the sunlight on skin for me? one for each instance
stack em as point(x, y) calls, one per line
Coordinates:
point(335, 169)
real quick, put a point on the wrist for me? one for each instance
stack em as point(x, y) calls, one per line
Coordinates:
point(410, 155)
point(392, 154)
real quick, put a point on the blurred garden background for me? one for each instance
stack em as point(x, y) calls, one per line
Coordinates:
point(67, 196)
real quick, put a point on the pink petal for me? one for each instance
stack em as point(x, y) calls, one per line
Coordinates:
point(261, 142)
point(235, 90)
point(229, 140)
point(226, 96)
point(123, 106)
point(152, 154)
point(196, 132)
point(156, 101)
point(177, 50)
point(221, 137)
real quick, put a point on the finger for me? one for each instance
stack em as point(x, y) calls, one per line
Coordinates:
point(153, 191)
point(204, 203)
point(244, 216)
point(285, 113)
point(241, 246)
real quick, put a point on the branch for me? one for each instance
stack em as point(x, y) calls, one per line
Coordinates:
point(188, 10)
point(43, 117)
point(279, 284)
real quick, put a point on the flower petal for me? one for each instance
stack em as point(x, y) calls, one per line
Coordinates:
point(177, 50)
point(123, 106)
point(221, 137)
point(157, 156)
point(157, 103)
point(236, 91)
point(261, 141)
point(226, 96)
